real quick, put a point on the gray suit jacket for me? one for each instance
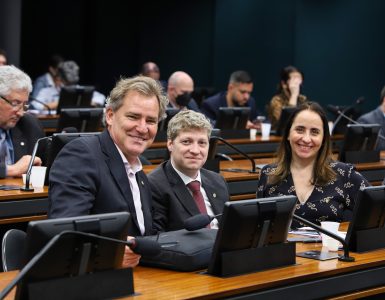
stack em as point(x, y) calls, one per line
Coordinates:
point(372, 117)
point(173, 203)
point(88, 177)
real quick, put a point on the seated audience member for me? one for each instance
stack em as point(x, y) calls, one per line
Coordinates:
point(179, 89)
point(238, 94)
point(49, 79)
point(19, 131)
point(188, 136)
point(103, 173)
point(288, 94)
point(68, 75)
point(377, 116)
point(151, 69)
point(326, 189)
point(3, 57)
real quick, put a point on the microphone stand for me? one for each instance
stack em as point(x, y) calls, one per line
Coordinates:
point(343, 115)
point(345, 257)
point(26, 187)
point(49, 245)
point(42, 103)
point(239, 151)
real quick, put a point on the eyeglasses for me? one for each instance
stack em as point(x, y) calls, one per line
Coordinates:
point(16, 104)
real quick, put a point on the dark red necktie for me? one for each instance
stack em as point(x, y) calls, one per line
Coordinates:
point(195, 188)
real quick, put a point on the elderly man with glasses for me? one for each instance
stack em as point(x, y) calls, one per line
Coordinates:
point(18, 131)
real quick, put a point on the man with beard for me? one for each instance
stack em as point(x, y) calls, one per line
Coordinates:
point(19, 131)
point(238, 94)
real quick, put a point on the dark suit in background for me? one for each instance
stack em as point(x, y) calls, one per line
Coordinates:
point(90, 174)
point(173, 202)
point(24, 136)
point(375, 117)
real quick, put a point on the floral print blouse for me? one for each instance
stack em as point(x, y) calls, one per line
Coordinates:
point(331, 202)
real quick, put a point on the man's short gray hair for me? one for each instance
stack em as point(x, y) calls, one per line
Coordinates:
point(12, 78)
point(187, 119)
point(145, 86)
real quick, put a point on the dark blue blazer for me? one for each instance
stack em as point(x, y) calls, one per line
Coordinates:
point(88, 177)
point(375, 117)
point(210, 107)
point(172, 201)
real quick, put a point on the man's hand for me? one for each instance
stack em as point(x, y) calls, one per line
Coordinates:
point(21, 166)
point(130, 259)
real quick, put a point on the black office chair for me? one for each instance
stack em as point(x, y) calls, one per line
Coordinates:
point(12, 249)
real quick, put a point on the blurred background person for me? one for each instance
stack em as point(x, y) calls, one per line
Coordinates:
point(68, 72)
point(3, 57)
point(238, 94)
point(151, 69)
point(49, 79)
point(304, 167)
point(377, 116)
point(288, 94)
point(179, 89)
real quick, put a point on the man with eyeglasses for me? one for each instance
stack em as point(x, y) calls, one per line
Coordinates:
point(18, 131)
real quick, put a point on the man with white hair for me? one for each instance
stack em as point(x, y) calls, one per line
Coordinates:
point(68, 72)
point(180, 87)
point(18, 131)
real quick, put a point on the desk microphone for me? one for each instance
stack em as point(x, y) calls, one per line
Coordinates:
point(198, 221)
point(345, 257)
point(26, 187)
point(42, 103)
point(237, 150)
point(341, 113)
point(138, 245)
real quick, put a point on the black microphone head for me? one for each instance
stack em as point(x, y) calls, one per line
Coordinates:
point(69, 130)
point(333, 109)
point(146, 247)
point(360, 100)
point(197, 222)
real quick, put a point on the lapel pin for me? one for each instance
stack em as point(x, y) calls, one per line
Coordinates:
point(21, 143)
point(142, 182)
point(214, 195)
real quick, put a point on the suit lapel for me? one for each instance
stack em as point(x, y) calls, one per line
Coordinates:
point(118, 172)
point(145, 197)
point(213, 194)
point(180, 190)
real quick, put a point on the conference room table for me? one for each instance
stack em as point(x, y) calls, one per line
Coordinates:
point(307, 279)
point(18, 206)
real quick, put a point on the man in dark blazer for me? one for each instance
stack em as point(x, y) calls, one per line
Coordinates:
point(188, 135)
point(103, 173)
point(238, 94)
point(377, 116)
point(18, 131)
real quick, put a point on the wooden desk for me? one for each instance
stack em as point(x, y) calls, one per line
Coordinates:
point(308, 279)
point(18, 206)
point(49, 122)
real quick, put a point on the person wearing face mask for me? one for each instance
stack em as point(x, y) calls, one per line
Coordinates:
point(288, 94)
point(238, 94)
point(180, 87)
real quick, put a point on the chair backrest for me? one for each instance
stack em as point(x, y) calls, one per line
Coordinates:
point(12, 249)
